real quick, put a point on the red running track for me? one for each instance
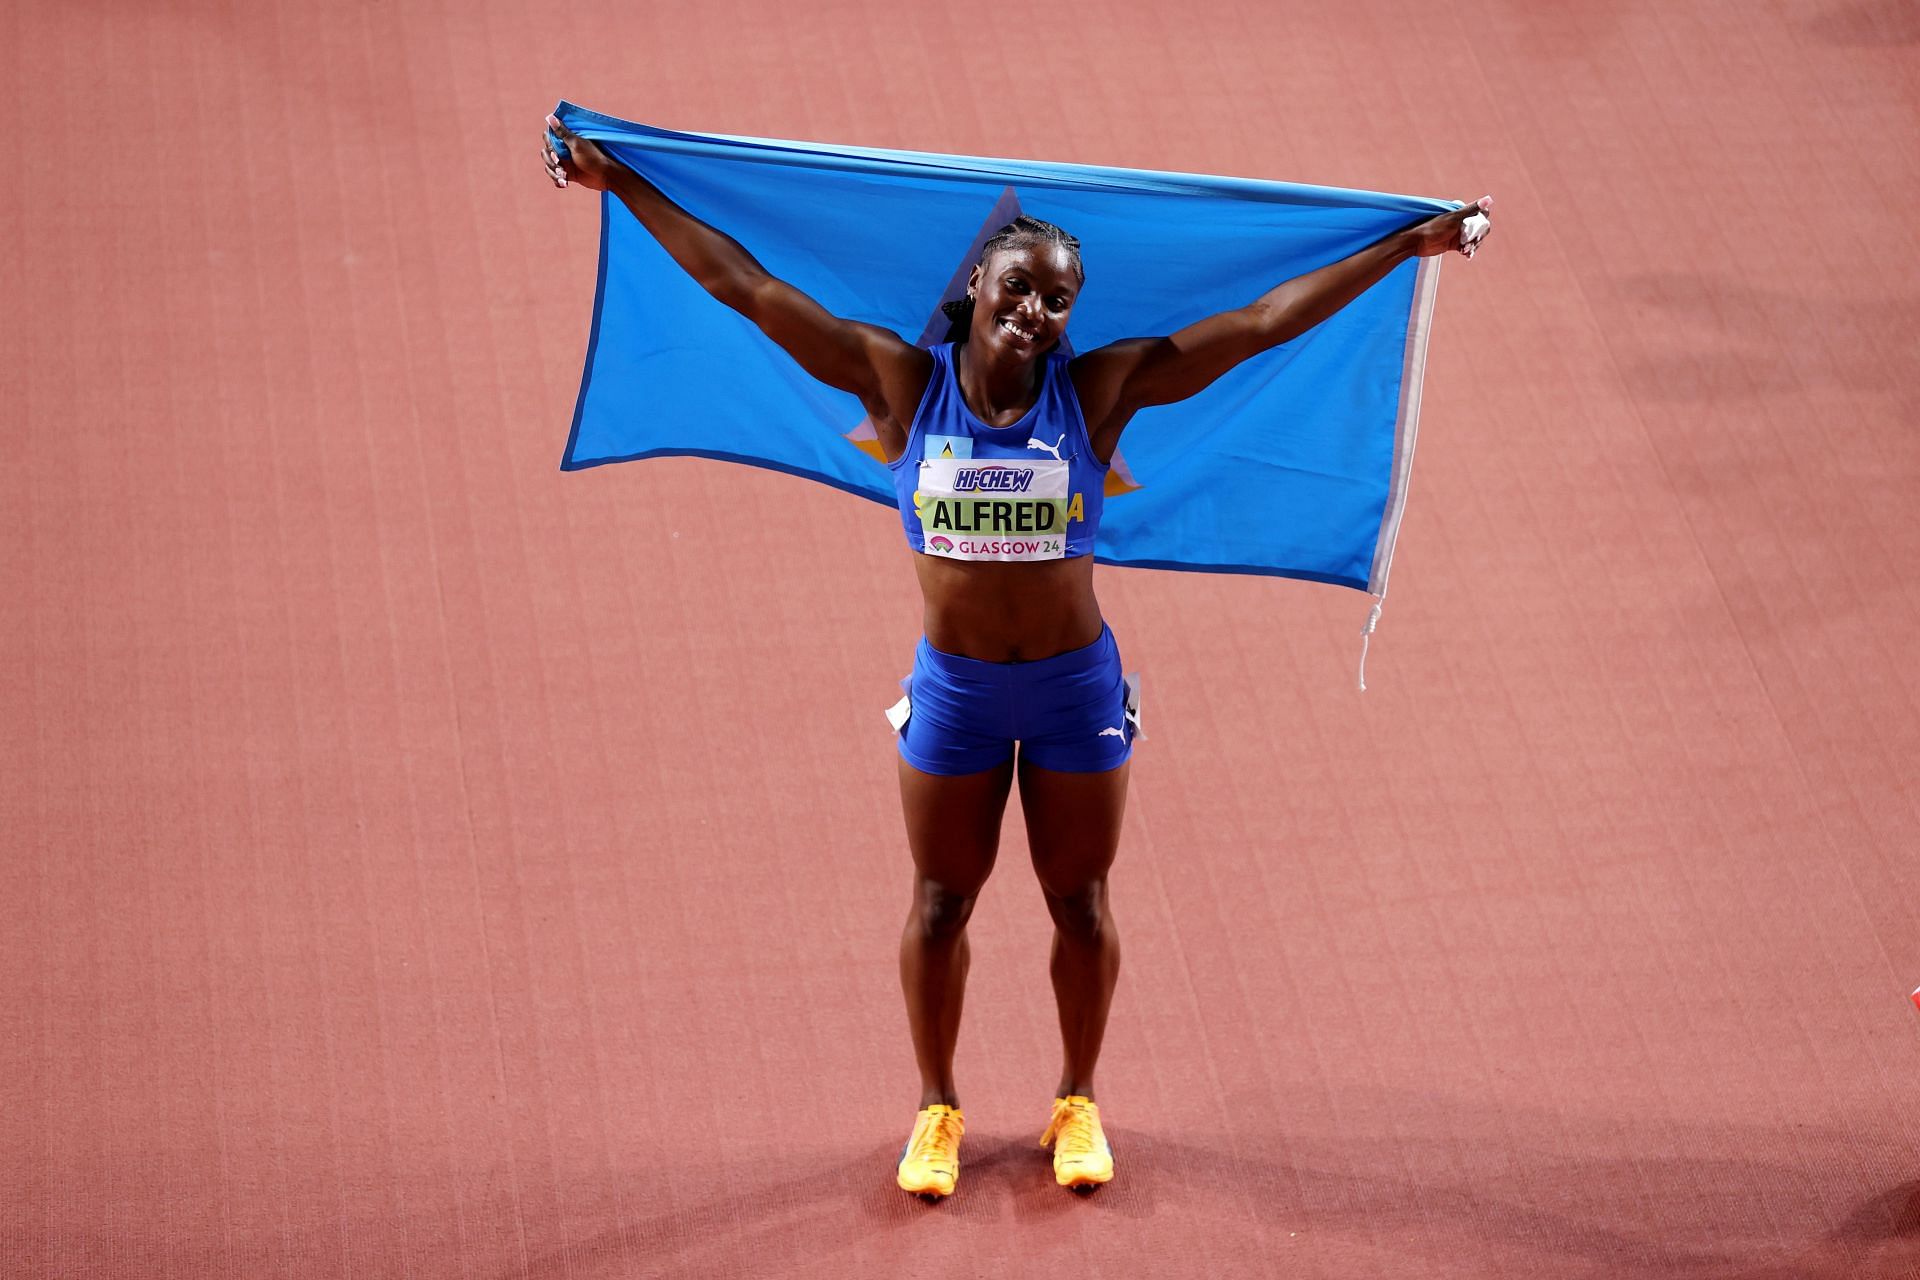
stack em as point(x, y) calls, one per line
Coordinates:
point(419, 862)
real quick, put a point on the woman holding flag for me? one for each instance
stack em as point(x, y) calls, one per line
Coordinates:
point(999, 445)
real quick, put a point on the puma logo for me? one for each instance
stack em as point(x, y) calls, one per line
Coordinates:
point(1115, 732)
point(1053, 448)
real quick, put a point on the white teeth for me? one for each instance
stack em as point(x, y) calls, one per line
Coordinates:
point(1018, 332)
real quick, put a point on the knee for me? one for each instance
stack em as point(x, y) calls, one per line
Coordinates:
point(1082, 912)
point(939, 913)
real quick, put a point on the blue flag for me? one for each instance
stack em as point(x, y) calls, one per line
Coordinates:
point(1293, 464)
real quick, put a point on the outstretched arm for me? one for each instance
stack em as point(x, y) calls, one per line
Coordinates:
point(870, 361)
point(1118, 379)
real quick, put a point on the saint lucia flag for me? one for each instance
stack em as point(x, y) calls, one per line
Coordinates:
point(1293, 464)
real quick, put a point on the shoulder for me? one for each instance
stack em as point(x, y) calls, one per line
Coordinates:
point(884, 345)
point(901, 370)
point(1100, 376)
point(1113, 359)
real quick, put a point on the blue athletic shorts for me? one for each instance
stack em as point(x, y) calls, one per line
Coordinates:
point(1067, 712)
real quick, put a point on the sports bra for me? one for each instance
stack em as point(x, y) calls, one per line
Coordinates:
point(968, 491)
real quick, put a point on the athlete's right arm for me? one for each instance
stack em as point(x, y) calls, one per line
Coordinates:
point(888, 374)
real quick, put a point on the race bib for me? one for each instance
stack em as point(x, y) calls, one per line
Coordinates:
point(988, 509)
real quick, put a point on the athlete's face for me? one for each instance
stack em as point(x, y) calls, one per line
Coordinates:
point(1021, 299)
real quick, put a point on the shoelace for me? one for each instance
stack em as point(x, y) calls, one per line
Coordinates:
point(940, 1140)
point(1072, 1129)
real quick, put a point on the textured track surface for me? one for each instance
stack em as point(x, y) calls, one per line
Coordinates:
point(421, 862)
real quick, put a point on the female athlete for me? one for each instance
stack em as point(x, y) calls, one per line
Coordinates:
point(999, 447)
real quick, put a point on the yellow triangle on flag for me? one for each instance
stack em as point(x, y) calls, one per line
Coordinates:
point(946, 451)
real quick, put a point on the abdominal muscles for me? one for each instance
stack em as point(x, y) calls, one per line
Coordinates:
point(1008, 612)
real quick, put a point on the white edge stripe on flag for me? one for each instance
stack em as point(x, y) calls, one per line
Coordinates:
point(1406, 426)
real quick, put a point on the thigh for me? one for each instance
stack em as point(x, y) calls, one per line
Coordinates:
point(1073, 823)
point(953, 823)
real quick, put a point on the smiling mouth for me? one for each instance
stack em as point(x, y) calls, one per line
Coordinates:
point(1024, 335)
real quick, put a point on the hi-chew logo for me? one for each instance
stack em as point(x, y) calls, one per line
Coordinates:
point(992, 479)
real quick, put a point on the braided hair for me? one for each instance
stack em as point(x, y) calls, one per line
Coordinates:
point(1023, 232)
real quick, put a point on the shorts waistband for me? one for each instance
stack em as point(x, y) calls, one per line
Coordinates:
point(1040, 668)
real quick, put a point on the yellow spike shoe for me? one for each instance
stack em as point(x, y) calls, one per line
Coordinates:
point(1082, 1159)
point(930, 1162)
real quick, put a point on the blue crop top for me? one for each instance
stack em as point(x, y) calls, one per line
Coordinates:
point(968, 491)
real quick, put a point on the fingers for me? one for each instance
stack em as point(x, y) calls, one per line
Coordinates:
point(556, 158)
point(1475, 225)
point(1475, 208)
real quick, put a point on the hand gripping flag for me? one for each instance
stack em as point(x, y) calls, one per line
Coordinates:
point(1294, 464)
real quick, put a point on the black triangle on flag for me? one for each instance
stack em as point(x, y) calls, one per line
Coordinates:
point(1004, 210)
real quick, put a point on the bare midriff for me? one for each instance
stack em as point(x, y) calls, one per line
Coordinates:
point(1008, 612)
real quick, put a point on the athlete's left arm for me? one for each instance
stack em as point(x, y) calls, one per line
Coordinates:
point(1116, 380)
